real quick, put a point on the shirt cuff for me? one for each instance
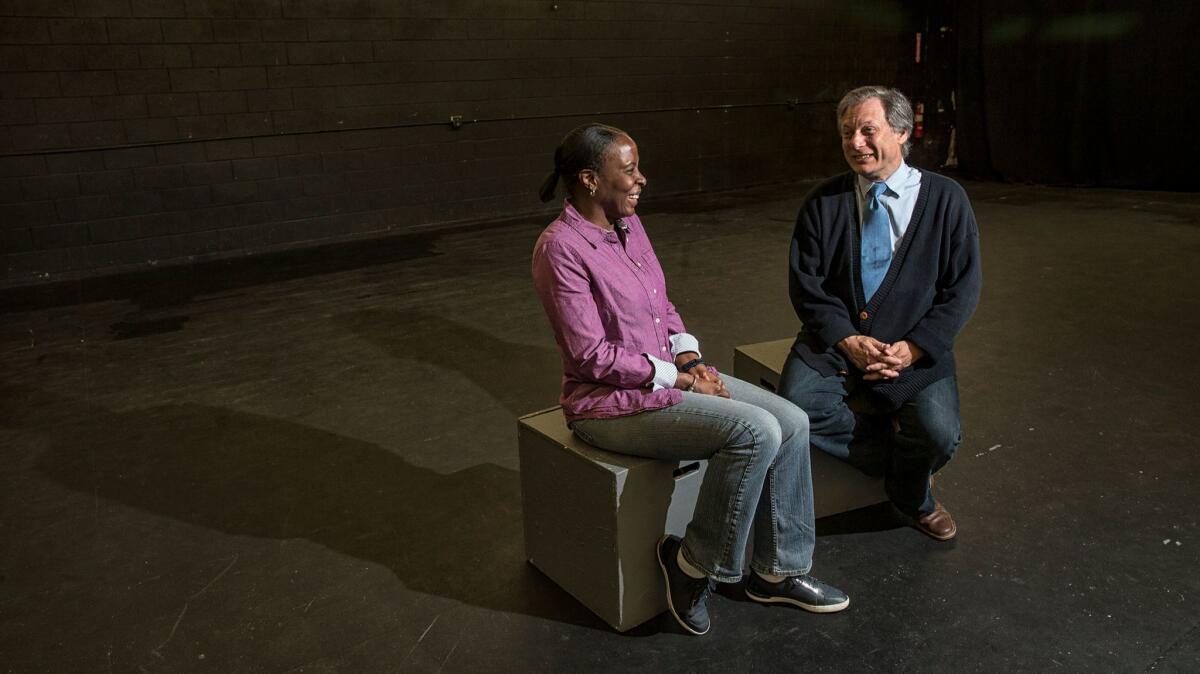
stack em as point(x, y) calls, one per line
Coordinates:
point(664, 373)
point(682, 342)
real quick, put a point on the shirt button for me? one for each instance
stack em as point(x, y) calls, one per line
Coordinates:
point(864, 315)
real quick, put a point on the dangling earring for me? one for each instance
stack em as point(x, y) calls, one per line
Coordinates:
point(592, 192)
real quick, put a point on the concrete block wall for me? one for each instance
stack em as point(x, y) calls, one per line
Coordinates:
point(144, 132)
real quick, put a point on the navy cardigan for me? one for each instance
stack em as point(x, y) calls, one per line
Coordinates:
point(930, 290)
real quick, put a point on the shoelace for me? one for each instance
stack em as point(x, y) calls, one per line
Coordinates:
point(807, 583)
point(701, 590)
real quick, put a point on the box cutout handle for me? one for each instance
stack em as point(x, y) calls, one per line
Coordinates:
point(683, 471)
point(767, 385)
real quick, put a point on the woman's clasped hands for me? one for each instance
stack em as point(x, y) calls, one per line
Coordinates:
point(704, 380)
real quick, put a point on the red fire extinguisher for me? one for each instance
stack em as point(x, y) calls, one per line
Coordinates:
point(919, 121)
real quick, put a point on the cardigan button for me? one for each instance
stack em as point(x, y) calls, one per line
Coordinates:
point(864, 316)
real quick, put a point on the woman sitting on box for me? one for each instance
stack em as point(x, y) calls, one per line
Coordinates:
point(634, 383)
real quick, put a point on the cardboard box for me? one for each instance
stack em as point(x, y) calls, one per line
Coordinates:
point(837, 486)
point(592, 517)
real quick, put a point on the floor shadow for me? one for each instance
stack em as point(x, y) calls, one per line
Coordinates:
point(249, 475)
point(521, 377)
point(178, 285)
point(181, 284)
point(868, 519)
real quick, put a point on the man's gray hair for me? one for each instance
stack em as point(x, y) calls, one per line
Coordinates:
point(896, 108)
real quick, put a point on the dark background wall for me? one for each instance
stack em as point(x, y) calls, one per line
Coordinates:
point(1079, 92)
point(135, 133)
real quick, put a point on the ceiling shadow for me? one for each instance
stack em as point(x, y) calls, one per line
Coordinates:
point(868, 519)
point(178, 285)
point(249, 475)
point(521, 377)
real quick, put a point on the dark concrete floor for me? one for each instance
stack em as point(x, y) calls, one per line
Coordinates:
point(308, 462)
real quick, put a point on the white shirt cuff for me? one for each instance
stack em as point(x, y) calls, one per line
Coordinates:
point(664, 373)
point(682, 342)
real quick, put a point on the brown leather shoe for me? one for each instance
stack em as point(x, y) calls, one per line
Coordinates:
point(938, 524)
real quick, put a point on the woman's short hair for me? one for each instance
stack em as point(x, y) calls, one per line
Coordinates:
point(583, 148)
point(896, 108)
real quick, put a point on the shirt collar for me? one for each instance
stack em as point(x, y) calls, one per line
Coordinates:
point(590, 231)
point(903, 179)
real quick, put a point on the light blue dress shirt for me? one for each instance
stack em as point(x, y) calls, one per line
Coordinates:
point(898, 199)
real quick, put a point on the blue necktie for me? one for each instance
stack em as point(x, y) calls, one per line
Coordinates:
point(876, 241)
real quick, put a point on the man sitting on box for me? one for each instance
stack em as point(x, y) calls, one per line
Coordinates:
point(884, 273)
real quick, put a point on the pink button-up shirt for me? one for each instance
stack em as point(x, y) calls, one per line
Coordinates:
point(608, 306)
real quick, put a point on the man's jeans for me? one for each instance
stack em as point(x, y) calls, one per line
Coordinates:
point(758, 472)
point(852, 423)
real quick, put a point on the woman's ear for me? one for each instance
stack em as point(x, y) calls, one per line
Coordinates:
point(588, 179)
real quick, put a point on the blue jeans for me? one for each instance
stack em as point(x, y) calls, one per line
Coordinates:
point(756, 444)
point(853, 423)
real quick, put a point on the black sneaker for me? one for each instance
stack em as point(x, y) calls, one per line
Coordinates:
point(805, 591)
point(687, 597)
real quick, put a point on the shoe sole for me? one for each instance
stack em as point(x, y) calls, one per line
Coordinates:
point(812, 608)
point(934, 536)
point(667, 585)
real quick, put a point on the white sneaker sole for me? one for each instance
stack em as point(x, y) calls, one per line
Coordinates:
point(812, 608)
